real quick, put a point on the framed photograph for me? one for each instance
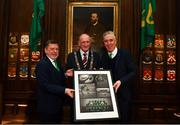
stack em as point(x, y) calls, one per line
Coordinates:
point(79, 17)
point(94, 95)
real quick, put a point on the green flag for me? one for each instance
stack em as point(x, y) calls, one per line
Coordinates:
point(147, 22)
point(35, 33)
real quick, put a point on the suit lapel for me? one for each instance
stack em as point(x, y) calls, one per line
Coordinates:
point(50, 64)
point(117, 58)
point(89, 58)
point(80, 59)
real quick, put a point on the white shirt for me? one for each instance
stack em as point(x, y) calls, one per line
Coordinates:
point(52, 61)
point(113, 53)
point(82, 52)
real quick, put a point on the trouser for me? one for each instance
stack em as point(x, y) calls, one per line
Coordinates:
point(49, 118)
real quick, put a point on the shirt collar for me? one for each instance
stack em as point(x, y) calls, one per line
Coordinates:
point(82, 52)
point(52, 61)
point(114, 52)
point(95, 23)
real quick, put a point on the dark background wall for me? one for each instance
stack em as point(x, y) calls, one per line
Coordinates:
point(15, 16)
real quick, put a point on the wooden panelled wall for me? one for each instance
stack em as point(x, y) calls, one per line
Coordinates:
point(15, 16)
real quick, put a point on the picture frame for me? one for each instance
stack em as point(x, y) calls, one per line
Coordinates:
point(94, 95)
point(78, 17)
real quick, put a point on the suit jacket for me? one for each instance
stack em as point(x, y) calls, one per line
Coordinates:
point(51, 87)
point(125, 70)
point(71, 63)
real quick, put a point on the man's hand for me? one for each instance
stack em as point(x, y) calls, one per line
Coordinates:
point(116, 85)
point(69, 92)
point(69, 73)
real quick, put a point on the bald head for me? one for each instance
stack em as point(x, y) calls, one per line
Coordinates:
point(84, 42)
point(84, 36)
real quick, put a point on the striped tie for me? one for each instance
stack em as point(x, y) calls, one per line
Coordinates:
point(84, 60)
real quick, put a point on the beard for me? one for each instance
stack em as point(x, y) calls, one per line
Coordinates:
point(93, 21)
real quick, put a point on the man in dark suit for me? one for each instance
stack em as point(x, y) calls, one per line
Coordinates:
point(83, 59)
point(123, 70)
point(51, 85)
point(75, 60)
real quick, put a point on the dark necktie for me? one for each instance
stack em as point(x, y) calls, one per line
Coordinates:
point(56, 65)
point(84, 60)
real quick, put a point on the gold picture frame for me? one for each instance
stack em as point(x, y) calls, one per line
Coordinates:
point(78, 15)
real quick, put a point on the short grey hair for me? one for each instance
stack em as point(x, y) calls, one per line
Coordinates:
point(109, 33)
